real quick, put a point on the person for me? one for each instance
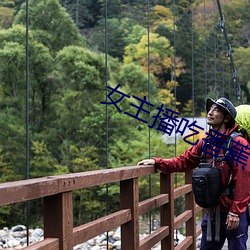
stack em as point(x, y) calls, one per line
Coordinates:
point(221, 115)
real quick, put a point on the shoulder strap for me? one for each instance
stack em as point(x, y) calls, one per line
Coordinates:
point(228, 143)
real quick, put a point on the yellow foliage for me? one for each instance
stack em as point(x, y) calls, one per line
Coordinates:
point(6, 17)
point(161, 15)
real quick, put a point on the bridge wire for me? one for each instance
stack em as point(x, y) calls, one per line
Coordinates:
point(107, 121)
point(236, 82)
point(215, 53)
point(205, 53)
point(205, 50)
point(175, 94)
point(27, 204)
point(222, 68)
point(192, 77)
point(149, 134)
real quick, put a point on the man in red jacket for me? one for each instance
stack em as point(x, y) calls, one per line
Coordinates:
point(221, 115)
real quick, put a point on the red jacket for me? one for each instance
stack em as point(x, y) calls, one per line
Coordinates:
point(191, 158)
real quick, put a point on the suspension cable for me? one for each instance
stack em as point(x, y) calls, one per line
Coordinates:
point(205, 51)
point(192, 20)
point(215, 54)
point(149, 134)
point(229, 53)
point(107, 120)
point(175, 94)
point(27, 207)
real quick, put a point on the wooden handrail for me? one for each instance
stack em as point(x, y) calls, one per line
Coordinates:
point(58, 208)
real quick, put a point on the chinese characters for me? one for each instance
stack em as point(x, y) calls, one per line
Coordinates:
point(168, 121)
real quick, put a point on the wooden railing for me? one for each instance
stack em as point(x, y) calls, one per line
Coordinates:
point(59, 232)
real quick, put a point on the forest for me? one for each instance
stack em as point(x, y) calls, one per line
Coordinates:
point(58, 68)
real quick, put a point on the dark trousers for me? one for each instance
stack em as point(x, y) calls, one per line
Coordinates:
point(237, 238)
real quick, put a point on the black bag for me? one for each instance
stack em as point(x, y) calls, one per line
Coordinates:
point(206, 182)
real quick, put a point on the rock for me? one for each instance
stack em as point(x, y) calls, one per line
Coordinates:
point(3, 233)
point(95, 248)
point(117, 244)
point(100, 238)
point(117, 234)
point(111, 233)
point(38, 232)
point(111, 239)
point(16, 238)
point(13, 243)
point(18, 228)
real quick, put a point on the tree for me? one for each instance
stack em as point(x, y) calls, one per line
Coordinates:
point(117, 31)
point(242, 65)
point(84, 13)
point(161, 57)
point(53, 25)
point(161, 16)
point(6, 17)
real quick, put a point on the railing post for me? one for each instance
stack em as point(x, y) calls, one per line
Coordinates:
point(190, 205)
point(167, 210)
point(129, 198)
point(58, 219)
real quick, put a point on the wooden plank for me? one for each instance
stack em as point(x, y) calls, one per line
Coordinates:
point(46, 244)
point(182, 190)
point(154, 238)
point(129, 196)
point(182, 218)
point(198, 208)
point(167, 210)
point(185, 244)
point(190, 205)
point(58, 219)
point(198, 231)
point(98, 177)
point(24, 190)
point(152, 203)
point(90, 230)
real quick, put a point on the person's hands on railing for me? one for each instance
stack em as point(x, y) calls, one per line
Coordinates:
point(146, 162)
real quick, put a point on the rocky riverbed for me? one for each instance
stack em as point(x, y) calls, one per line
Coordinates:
point(16, 238)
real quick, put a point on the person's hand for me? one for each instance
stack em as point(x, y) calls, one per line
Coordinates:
point(232, 221)
point(146, 162)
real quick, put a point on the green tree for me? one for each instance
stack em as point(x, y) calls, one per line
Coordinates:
point(6, 17)
point(84, 13)
point(161, 57)
point(53, 25)
point(242, 64)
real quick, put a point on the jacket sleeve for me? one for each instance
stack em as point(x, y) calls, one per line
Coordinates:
point(241, 175)
point(185, 162)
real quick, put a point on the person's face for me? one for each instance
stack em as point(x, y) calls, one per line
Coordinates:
point(215, 117)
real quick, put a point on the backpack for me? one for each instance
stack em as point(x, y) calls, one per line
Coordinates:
point(206, 179)
point(243, 120)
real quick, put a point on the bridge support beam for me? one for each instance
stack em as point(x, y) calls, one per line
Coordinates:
point(167, 210)
point(58, 219)
point(190, 205)
point(130, 199)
